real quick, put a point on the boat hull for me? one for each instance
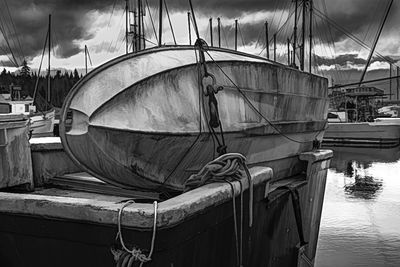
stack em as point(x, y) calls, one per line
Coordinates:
point(42, 124)
point(363, 134)
point(152, 131)
point(196, 228)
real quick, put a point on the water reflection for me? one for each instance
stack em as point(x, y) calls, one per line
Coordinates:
point(361, 213)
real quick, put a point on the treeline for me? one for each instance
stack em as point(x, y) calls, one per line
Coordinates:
point(61, 83)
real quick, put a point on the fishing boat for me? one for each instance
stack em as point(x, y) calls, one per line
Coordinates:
point(358, 123)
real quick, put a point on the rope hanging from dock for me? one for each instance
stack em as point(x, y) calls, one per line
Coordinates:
point(126, 257)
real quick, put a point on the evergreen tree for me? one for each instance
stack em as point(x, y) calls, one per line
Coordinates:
point(25, 70)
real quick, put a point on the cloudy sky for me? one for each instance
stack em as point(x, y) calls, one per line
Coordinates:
point(100, 24)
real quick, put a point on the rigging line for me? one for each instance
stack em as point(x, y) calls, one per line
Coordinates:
point(225, 36)
point(14, 61)
point(350, 35)
point(149, 41)
point(241, 36)
point(121, 31)
point(169, 20)
point(279, 30)
point(152, 21)
point(90, 60)
point(15, 31)
point(5, 52)
point(40, 67)
point(253, 107)
point(112, 13)
point(330, 43)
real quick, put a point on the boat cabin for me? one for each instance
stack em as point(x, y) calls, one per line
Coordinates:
point(357, 104)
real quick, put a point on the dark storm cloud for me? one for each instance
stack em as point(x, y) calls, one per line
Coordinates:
point(71, 23)
point(346, 59)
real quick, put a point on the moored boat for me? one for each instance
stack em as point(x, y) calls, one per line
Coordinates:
point(142, 120)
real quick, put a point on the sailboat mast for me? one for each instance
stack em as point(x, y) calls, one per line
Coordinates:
point(295, 34)
point(139, 3)
point(236, 34)
point(48, 71)
point(126, 26)
point(303, 36)
point(86, 58)
point(219, 32)
point(190, 33)
point(311, 35)
point(160, 24)
point(266, 39)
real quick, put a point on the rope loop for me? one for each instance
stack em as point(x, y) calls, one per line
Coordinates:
point(126, 257)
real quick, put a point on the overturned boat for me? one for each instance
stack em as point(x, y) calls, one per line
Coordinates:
point(151, 119)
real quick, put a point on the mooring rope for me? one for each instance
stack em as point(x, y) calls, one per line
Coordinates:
point(228, 168)
point(127, 257)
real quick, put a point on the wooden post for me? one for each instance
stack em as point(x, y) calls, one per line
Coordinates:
point(236, 33)
point(190, 33)
point(211, 32)
point(266, 39)
point(274, 46)
point(219, 32)
point(160, 24)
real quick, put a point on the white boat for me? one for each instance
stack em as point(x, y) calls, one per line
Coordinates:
point(41, 123)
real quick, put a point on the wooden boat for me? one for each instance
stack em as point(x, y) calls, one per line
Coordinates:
point(197, 228)
point(141, 120)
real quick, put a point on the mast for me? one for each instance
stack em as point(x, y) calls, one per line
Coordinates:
point(390, 81)
point(274, 46)
point(190, 33)
point(86, 58)
point(266, 39)
point(139, 25)
point(375, 43)
point(126, 26)
point(160, 24)
point(142, 17)
point(219, 32)
point(211, 32)
point(397, 82)
point(311, 36)
point(135, 27)
point(303, 35)
point(295, 33)
point(236, 33)
point(48, 71)
point(288, 51)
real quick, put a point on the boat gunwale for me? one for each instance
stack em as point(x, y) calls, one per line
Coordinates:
point(138, 215)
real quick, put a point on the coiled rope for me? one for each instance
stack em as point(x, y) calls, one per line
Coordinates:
point(228, 168)
point(126, 257)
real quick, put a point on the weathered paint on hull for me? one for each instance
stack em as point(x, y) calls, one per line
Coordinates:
point(140, 132)
point(133, 158)
point(42, 124)
point(194, 229)
point(362, 134)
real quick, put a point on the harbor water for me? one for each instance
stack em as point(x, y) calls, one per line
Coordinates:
point(360, 223)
